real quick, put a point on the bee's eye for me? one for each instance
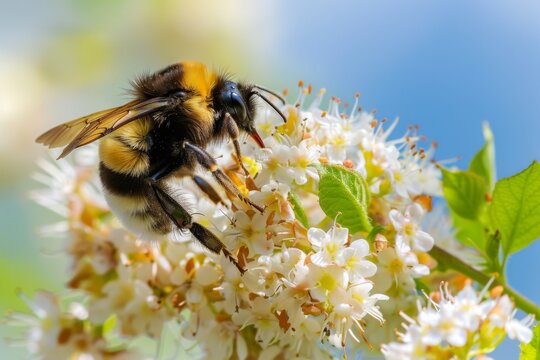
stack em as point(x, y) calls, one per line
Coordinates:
point(179, 94)
point(238, 104)
point(234, 103)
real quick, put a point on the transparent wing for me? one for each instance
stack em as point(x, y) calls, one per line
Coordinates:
point(87, 129)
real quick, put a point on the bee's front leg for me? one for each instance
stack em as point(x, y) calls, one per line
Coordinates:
point(234, 134)
point(207, 161)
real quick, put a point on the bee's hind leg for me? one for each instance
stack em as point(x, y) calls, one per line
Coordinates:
point(183, 220)
point(208, 162)
point(206, 188)
point(209, 240)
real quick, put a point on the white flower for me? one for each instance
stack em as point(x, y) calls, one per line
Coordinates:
point(326, 281)
point(54, 333)
point(408, 229)
point(443, 325)
point(328, 245)
point(338, 142)
point(395, 269)
point(300, 158)
point(275, 159)
point(520, 329)
point(134, 303)
point(412, 347)
point(363, 303)
point(352, 258)
point(261, 316)
point(502, 315)
point(380, 155)
point(301, 336)
point(275, 196)
point(458, 326)
point(250, 231)
point(349, 309)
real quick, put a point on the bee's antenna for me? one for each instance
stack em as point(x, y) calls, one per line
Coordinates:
point(262, 88)
point(271, 104)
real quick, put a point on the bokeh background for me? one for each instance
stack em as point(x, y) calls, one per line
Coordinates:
point(447, 66)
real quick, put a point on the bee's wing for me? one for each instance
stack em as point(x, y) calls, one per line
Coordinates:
point(63, 134)
point(92, 127)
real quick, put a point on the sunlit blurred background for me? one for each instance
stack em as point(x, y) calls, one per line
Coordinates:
point(447, 66)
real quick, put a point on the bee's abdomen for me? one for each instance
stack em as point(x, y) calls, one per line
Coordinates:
point(124, 167)
point(132, 200)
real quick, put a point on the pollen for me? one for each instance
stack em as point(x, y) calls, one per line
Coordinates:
point(396, 266)
point(332, 248)
point(409, 229)
point(327, 282)
point(303, 162)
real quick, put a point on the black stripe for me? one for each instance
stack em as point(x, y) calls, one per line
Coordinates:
point(123, 184)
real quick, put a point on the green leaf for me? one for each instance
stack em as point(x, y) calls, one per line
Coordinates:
point(422, 286)
point(531, 351)
point(298, 209)
point(493, 251)
point(465, 193)
point(515, 209)
point(109, 324)
point(469, 232)
point(345, 192)
point(377, 229)
point(483, 163)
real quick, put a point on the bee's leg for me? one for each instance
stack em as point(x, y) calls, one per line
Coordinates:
point(209, 240)
point(208, 190)
point(183, 220)
point(234, 133)
point(208, 162)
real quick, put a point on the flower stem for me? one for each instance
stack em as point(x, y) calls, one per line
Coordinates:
point(450, 261)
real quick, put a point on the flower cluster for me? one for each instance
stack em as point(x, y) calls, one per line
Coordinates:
point(465, 325)
point(312, 287)
point(57, 333)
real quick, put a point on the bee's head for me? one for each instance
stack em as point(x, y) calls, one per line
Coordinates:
point(236, 100)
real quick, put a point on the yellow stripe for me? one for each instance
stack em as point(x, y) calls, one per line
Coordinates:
point(135, 133)
point(198, 77)
point(121, 158)
point(201, 80)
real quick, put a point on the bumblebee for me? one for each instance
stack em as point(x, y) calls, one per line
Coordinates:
point(163, 134)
